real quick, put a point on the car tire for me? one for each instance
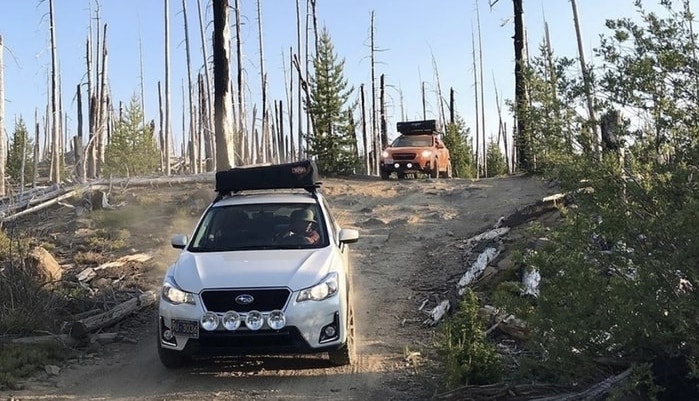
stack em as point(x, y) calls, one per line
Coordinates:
point(172, 359)
point(448, 173)
point(384, 174)
point(345, 355)
point(434, 172)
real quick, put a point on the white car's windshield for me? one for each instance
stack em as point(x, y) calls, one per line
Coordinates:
point(260, 226)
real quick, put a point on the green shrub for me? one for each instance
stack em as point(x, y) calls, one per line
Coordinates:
point(467, 357)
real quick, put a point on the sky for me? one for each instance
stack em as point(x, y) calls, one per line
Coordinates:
point(410, 37)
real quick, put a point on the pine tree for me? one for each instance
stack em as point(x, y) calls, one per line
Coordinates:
point(332, 143)
point(20, 153)
point(457, 141)
point(495, 160)
point(131, 150)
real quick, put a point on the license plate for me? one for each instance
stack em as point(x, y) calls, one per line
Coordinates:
point(189, 328)
point(387, 161)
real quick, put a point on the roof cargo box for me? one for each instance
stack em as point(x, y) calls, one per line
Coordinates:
point(301, 174)
point(423, 127)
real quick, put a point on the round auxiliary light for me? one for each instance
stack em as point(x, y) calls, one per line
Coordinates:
point(276, 319)
point(410, 165)
point(396, 165)
point(329, 331)
point(254, 320)
point(209, 321)
point(167, 334)
point(231, 320)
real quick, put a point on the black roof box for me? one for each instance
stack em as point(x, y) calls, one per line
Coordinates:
point(301, 174)
point(423, 127)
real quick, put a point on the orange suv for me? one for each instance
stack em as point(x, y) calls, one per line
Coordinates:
point(418, 150)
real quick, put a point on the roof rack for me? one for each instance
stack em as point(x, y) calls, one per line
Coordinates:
point(300, 174)
point(422, 127)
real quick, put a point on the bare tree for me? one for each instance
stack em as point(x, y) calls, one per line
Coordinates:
point(300, 76)
point(263, 83)
point(222, 87)
point(243, 148)
point(475, 88)
point(55, 174)
point(593, 131)
point(367, 167)
point(3, 144)
point(480, 58)
point(167, 132)
point(374, 131)
point(206, 102)
point(193, 138)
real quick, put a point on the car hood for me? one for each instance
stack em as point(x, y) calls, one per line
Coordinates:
point(296, 269)
point(416, 149)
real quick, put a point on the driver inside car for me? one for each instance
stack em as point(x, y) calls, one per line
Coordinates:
point(301, 228)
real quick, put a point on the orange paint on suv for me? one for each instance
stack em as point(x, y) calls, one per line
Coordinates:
point(418, 150)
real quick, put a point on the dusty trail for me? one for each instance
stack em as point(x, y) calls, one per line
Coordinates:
point(407, 251)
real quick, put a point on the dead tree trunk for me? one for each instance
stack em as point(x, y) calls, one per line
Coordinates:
point(263, 82)
point(300, 76)
point(78, 139)
point(374, 134)
point(207, 118)
point(451, 106)
point(480, 58)
point(194, 143)
point(367, 167)
point(103, 107)
point(476, 137)
point(594, 140)
point(167, 132)
point(382, 112)
point(222, 88)
point(55, 176)
point(3, 144)
point(243, 147)
point(522, 136)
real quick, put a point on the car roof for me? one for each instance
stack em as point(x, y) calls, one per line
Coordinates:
point(260, 197)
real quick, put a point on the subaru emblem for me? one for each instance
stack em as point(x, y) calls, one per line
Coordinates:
point(244, 299)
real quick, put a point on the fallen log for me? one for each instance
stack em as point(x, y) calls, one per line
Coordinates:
point(487, 256)
point(68, 340)
point(597, 392)
point(80, 328)
point(89, 273)
point(437, 313)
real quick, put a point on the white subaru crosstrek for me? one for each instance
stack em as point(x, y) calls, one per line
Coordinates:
point(266, 271)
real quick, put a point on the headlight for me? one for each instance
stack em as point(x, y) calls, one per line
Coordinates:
point(254, 320)
point(385, 154)
point(176, 296)
point(325, 289)
point(426, 153)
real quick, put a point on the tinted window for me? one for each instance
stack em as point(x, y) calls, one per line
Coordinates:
point(256, 227)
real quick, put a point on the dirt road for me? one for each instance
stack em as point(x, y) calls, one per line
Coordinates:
point(407, 257)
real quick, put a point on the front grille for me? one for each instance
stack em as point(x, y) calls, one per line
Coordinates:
point(264, 300)
point(404, 156)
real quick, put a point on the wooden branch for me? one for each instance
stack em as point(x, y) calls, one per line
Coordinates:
point(79, 329)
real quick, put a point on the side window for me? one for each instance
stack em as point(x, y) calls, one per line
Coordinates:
point(333, 226)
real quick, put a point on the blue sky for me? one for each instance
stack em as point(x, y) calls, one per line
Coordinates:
point(408, 33)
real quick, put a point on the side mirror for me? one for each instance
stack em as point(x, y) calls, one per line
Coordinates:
point(348, 236)
point(179, 241)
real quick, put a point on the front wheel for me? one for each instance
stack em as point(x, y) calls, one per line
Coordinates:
point(172, 359)
point(384, 174)
point(434, 172)
point(346, 354)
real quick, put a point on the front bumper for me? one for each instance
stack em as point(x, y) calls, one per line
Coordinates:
point(406, 166)
point(303, 333)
